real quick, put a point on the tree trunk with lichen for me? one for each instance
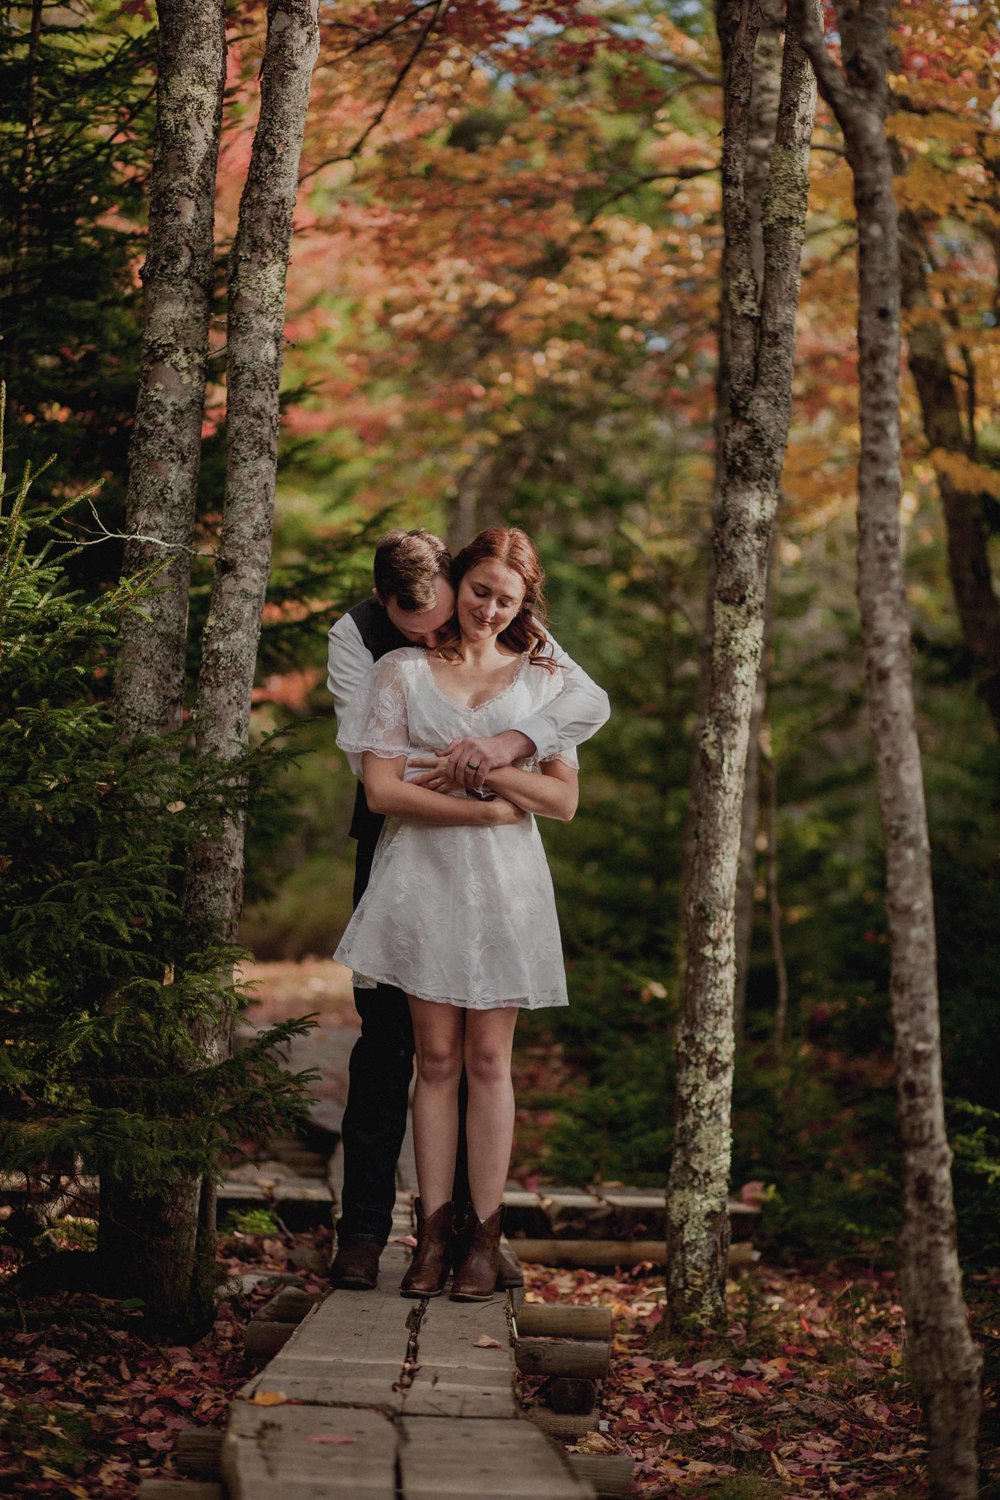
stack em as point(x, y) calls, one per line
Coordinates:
point(165, 452)
point(764, 95)
point(153, 1240)
point(255, 351)
point(761, 341)
point(941, 1356)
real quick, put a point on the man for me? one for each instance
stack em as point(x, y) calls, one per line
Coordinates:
point(411, 605)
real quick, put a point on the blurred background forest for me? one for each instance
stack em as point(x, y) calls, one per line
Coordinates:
point(502, 306)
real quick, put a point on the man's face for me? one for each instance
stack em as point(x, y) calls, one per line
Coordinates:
point(424, 627)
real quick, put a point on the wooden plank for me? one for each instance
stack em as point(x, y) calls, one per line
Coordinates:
point(563, 1320)
point(350, 1350)
point(524, 1214)
point(484, 1460)
point(573, 1214)
point(178, 1489)
point(566, 1426)
point(198, 1452)
point(601, 1253)
point(271, 1453)
point(588, 1359)
point(609, 1473)
point(455, 1378)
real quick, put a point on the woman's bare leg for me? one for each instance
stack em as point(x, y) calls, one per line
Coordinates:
point(489, 1121)
point(438, 1032)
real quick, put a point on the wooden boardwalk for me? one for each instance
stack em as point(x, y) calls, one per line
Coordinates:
point(379, 1397)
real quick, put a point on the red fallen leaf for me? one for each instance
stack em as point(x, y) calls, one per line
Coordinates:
point(329, 1438)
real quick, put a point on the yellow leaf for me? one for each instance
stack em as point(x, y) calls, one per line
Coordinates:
point(965, 473)
point(268, 1398)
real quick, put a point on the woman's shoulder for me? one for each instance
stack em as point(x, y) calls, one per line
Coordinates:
point(401, 660)
point(542, 674)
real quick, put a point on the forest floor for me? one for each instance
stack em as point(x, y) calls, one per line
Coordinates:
point(806, 1393)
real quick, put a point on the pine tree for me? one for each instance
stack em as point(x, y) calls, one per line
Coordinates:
point(94, 837)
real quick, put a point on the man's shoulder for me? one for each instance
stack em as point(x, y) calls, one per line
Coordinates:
point(369, 619)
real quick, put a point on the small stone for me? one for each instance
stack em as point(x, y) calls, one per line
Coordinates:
point(305, 1258)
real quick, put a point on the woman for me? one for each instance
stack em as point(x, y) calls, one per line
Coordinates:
point(459, 912)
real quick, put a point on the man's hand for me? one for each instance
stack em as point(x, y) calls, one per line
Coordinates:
point(470, 761)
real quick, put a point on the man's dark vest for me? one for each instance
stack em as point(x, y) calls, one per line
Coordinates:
point(380, 635)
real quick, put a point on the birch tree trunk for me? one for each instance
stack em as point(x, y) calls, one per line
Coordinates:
point(762, 341)
point(941, 1356)
point(165, 452)
point(764, 95)
point(255, 345)
point(153, 1239)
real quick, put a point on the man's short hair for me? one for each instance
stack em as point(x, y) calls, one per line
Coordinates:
point(407, 567)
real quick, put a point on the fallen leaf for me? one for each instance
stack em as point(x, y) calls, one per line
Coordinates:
point(268, 1398)
point(779, 1468)
point(595, 1442)
point(485, 1342)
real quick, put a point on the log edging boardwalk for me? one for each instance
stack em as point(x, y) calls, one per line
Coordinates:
point(378, 1397)
point(391, 1399)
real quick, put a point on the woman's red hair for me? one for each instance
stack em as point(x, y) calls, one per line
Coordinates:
point(512, 548)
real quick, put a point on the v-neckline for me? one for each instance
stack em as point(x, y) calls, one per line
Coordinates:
point(465, 708)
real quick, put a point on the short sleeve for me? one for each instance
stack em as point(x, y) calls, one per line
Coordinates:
point(568, 756)
point(376, 717)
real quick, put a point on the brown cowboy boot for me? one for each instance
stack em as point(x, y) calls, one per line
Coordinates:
point(476, 1275)
point(509, 1272)
point(428, 1270)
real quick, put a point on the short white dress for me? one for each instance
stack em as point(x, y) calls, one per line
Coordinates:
point(465, 916)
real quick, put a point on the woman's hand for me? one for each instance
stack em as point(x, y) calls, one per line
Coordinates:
point(500, 813)
point(435, 775)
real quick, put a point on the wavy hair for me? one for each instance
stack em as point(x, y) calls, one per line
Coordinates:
point(512, 548)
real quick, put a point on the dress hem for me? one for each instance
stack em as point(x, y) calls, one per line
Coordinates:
point(372, 981)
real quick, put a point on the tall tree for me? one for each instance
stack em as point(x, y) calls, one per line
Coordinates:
point(761, 338)
point(165, 452)
point(173, 1232)
point(255, 351)
point(158, 1234)
point(953, 444)
point(941, 1354)
point(76, 132)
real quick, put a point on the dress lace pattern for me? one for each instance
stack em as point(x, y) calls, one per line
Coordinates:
point(465, 916)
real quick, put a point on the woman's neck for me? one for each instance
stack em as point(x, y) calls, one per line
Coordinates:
point(483, 654)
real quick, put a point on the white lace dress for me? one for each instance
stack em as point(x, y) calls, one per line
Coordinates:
point(465, 916)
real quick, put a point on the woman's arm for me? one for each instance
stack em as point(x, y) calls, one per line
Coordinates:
point(388, 793)
point(553, 794)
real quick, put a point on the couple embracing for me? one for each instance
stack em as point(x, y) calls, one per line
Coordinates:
point(461, 717)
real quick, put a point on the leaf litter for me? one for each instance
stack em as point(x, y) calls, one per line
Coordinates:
point(805, 1395)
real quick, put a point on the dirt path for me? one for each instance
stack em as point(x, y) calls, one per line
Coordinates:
point(314, 987)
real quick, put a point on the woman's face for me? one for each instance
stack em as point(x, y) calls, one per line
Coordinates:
point(489, 597)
